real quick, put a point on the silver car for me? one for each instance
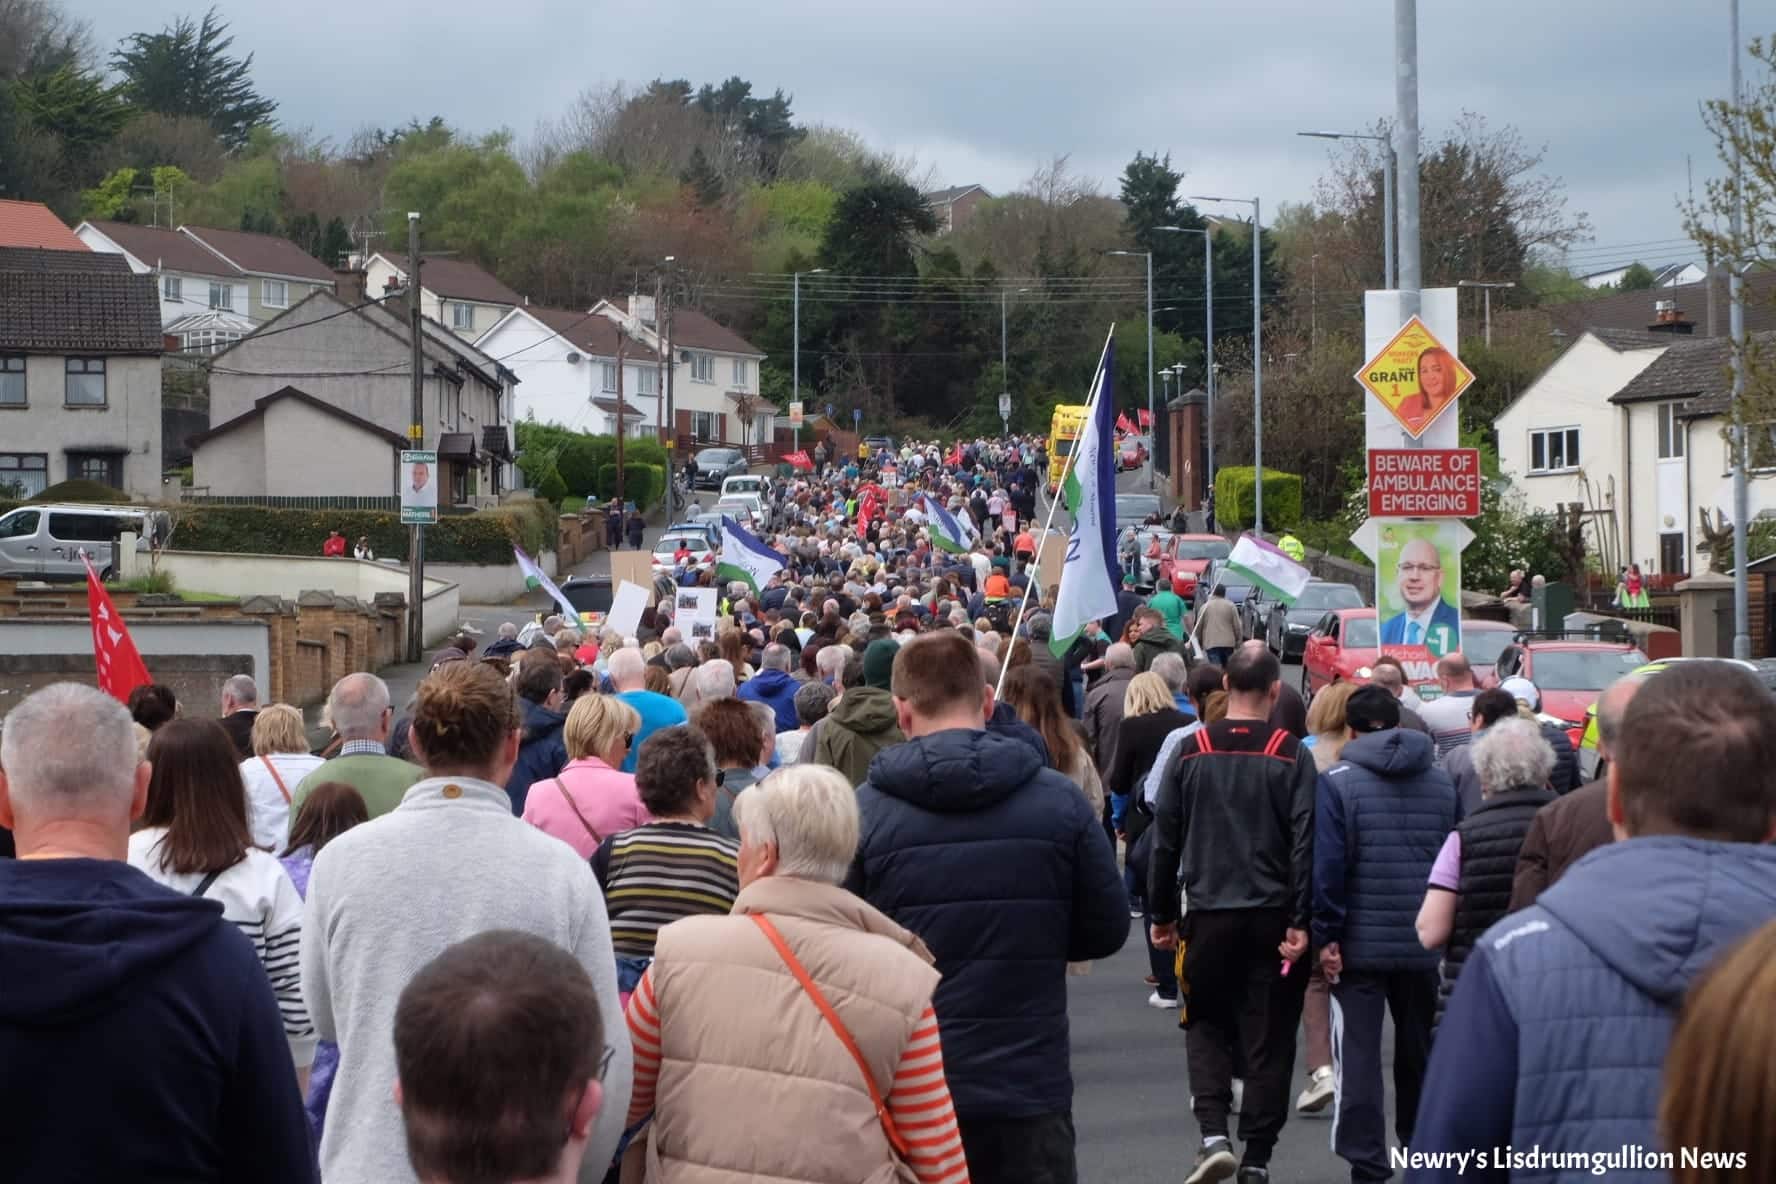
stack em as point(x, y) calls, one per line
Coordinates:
point(47, 542)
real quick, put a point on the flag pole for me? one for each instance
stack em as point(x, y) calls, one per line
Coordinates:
point(1091, 406)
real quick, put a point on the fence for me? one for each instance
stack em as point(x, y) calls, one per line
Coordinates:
point(1665, 615)
point(316, 502)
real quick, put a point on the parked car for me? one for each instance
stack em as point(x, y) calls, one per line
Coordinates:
point(747, 511)
point(1569, 672)
point(1214, 575)
point(1482, 643)
point(696, 540)
point(1133, 509)
point(743, 483)
point(45, 542)
point(716, 465)
point(1133, 452)
point(1286, 626)
point(591, 595)
point(1592, 766)
point(1343, 648)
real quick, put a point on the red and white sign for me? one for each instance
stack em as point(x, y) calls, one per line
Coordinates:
point(114, 651)
point(1424, 483)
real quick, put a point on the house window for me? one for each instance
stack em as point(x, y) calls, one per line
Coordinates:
point(12, 381)
point(85, 386)
point(172, 289)
point(1671, 433)
point(1554, 450)
point(1671, 552)
point(208, 341)
point(276, 294)
point(702, 368)
point(462, 316)
point(221, 295)
point(104, 467)
point(610, 377)
point(647, 381)
point(704, 425)
point(739, 374)
point(23, 474)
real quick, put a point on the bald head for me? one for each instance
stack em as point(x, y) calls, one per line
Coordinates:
point(1120, 656)
point(1454, 673)
point(628, 670)
point(46, 778)
point(359, 708)
point(1612, 705)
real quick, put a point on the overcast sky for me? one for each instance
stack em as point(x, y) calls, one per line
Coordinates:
point(986, 90)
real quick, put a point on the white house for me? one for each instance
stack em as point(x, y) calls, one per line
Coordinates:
point(566, 363)
point(1665, 275)
point(193, 279)
point(715, 373)
point(453, 292)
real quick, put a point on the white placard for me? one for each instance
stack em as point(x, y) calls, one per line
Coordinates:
point(626, 608)
point(694, 614)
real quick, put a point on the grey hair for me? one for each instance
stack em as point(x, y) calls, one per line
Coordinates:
point(508, 630)
point(626, 666)
point(1120, 656)
point(671, 635)
point(714, 680)
point(553, 619)
point(812, 702)
point(1171, 668)
point(809, 813)
point(775, 657)
point(830, 660)
point(1511, 754)
point(242, 689)
point(356, 705)
point(679, 655)
point(1390, 677)
point(54, 776)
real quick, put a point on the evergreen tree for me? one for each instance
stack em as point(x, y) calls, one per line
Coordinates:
point(186, 70)
point(702, 179)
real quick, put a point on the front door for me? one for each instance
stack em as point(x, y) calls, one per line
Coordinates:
point(1671, 553)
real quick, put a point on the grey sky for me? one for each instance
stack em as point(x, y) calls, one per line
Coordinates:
point(987, 90)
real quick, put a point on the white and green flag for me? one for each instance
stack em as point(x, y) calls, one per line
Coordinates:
point(949, 532)
point(534, 578)
point(1267, 567)
point(1089, 575)
point(744, 557)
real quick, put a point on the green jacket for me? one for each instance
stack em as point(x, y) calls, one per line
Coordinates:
point(1169, 605)
point(382, 780)
point(1152, 644)
point(861, 724)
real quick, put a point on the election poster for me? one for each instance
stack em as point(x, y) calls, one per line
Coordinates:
point(1418, 590)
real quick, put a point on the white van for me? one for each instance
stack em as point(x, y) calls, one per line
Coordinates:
point(44, 542)
point(746, 483)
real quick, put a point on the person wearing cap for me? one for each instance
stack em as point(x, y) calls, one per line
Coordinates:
point(1565, 777)
point(1381, 815)
point(862, 722)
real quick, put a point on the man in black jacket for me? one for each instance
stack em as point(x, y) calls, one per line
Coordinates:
point(995, 860)
point(1234, 823)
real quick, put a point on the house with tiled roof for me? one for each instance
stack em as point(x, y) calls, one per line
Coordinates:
point(279, 273)
point(713, 373)
point(33, 224)
point(954, 206)
point(80, 349)
point(568, 370)
point(453, 292)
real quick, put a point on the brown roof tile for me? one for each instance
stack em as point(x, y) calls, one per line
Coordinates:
point(264, 253)
point(1694, 368)
point(55, 306)
point(168, 249)
point(692, 330)
point(594, 334)
point(31, 224)
point(455, 279)
point(1634, 310)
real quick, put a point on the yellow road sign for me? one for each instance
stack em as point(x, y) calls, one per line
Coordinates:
point(1416, 377)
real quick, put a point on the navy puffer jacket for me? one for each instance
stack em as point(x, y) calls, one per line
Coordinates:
point(998, 863)
point(542, 753)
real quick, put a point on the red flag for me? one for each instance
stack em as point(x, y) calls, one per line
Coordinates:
point(114, 651)
point(1123, 424)
point(1146, 417)
point(800, 460)
point(867, 508)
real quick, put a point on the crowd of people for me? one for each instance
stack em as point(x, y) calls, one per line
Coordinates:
point(800, 900)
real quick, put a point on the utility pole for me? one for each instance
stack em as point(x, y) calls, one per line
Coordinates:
point(622, 412)
point(1258, 371)
point(1406, 134)
point(660, 390)
point(1485, 288)
point(671, 370)
point(416, 441)
point(1736, 325)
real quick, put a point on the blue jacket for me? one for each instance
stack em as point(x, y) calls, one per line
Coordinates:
point(999, 864)
point(115, 983)
point(777, 690)
point(541, 752)
point(1381, 814)
point(1557, 1032)
point(1393, 630)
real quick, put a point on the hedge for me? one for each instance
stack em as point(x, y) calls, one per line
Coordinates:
point(1236, 497)
point(484, 537)
point(579, 458)
point(642, 484)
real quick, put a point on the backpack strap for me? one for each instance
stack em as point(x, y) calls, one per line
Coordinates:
point(203, 885)
point(1203, 743)
point(1277, 740)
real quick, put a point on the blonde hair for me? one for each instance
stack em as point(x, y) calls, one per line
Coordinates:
point(809, 812)
point(279, 728)
point(1146, 694)
point(1325, 715)
point(596, 724)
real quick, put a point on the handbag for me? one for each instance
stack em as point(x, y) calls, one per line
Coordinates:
point(571, 805)
point(272, 769)
point(903, 1170)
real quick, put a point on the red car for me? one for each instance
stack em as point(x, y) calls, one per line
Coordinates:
point(1133, 452)
point(1570, 675)
point(1482, 643)
point(1342, 648)
point(1184, 557)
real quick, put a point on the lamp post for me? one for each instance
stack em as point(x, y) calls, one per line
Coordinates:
point(1208, 335)
point(1147, 255)
point(1389, 276)
point(795, 333)
point(1257, 356)
point(1487, 289)
point(664, 329)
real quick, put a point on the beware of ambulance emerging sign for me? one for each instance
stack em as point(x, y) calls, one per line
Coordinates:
point(1416, 378)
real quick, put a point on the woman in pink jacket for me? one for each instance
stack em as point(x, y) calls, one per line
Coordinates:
point(592, 798)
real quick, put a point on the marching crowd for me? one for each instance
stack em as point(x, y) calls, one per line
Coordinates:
point(799, 901)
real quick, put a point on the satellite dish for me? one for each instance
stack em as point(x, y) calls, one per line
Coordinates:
point(573, 359)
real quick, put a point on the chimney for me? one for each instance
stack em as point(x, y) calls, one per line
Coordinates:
point(348, 284)
point(641, 308)
point(1669, 318)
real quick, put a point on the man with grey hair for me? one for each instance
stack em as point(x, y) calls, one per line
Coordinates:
point(1579, 821)
point(628, 675)
point(505, 644)
point(534, 634)
point(362, 717)
point(99, 958)
point(1103, 704)
point(240, 707)
point(1176, 675)
point(829, 664)
point(714, 679)
point(812, 701)
point(774, 686)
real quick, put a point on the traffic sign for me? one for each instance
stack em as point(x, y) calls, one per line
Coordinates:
point(1004, 406)
point(795, 415)
point(829, 410)
point(1415, 377)
point(1424, 483)
point(856, 415)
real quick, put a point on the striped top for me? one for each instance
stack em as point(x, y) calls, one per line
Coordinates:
point(919, 1104)
point(655, 874)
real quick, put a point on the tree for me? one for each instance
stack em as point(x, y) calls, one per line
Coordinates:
point(186, 70)
point(702, 179)
point(873, 227)
point(1638, 278)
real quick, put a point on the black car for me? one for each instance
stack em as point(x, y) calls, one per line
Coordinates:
point(589, 594)
point(715, 465)
point(1286, 628)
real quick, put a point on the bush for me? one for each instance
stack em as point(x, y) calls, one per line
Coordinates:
point(1236, 498)
point(81, 491)
point(578, 458)
point(552, 487)
point(484, 537)
point(578, 464)
point(643, 484)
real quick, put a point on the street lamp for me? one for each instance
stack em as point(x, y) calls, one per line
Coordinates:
point(1208, 333)
point(1389, 232)
point(1487, 289)
point(1257, 356)
point(795, 333)
point(1147, 255)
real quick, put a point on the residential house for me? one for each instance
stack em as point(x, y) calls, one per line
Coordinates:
point(1665, 275)
point(452, 292)
point(1699, 309)
point(566, 363)
point(317, 401)
point(279, 273)
point(194, 281)
point(955, 205)
point(80, 348)
point(32, 224)
point(714, 374)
